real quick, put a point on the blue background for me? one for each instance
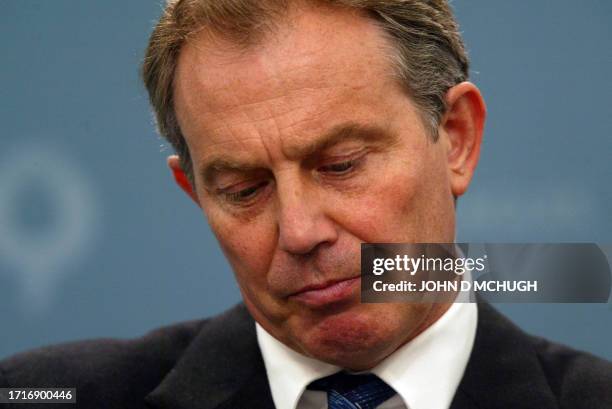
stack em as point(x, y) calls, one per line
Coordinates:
point(96, 240)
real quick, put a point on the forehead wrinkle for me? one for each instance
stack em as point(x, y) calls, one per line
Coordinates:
point(225, 141)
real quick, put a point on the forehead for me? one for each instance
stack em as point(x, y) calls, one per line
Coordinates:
point(321, 64)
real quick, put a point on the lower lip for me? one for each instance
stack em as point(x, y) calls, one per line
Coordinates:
point(337, 292)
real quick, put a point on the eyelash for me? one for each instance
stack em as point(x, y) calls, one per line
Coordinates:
point(345, 167)
point(243, 196)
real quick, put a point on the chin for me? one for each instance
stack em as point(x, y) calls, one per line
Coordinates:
point(357, 338)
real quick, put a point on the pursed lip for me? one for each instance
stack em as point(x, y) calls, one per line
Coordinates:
point(321, 294)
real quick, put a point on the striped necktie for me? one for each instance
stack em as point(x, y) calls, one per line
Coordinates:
point(345, 391)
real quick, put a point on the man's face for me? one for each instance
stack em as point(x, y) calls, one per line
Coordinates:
point(304, 147)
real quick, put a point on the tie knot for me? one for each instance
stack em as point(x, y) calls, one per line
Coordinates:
point(346, 391)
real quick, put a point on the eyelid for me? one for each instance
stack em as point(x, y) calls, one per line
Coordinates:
point(352, 153)
point(333, 160)
point(328, 167)
point(225, 179)
point(356, 164)
point(338, 152)
point(238, 187)
point(233, 197)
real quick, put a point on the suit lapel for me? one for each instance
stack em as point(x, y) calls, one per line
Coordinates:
point(503, 370)
point(222, 368)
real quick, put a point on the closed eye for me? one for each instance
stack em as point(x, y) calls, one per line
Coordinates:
point(342, 168)
point(244, 195)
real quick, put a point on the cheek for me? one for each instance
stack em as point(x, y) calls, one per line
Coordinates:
point(385, 212)
point(248, 246)
point(406, 202)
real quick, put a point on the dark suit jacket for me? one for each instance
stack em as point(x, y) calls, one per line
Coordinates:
point(216, 363)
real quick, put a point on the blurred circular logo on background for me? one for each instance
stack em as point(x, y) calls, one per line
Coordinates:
point(47, 219)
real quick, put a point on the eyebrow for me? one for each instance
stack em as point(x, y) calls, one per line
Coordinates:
point(341, 133)
point(338, 134)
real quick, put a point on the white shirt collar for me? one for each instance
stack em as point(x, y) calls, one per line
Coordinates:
point(289, 372)
point(425, 372)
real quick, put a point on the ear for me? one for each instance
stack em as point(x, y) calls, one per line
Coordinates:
point(181, 179)
point(463, 126)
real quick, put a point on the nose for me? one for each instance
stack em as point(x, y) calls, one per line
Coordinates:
point(302, 220)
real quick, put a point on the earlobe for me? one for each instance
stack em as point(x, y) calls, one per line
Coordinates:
point(463, 126)
point(181, 178)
